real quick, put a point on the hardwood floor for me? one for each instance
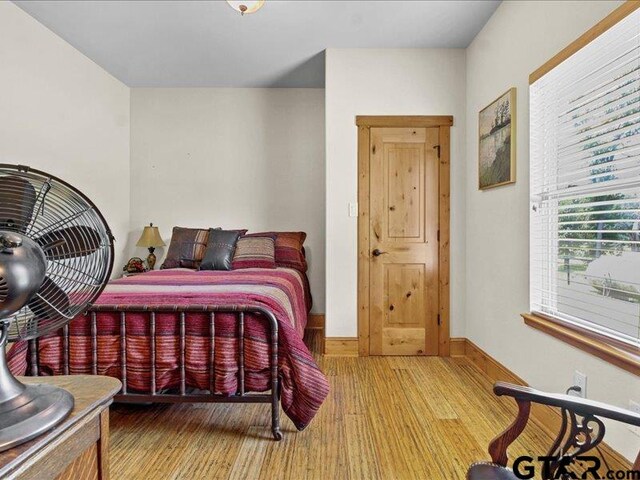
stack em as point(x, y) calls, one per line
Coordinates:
point(386, 417)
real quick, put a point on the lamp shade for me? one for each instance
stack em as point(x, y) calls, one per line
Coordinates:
point(246, 6)
point(150, 238)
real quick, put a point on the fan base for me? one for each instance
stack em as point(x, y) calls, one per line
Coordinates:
point(34, 411)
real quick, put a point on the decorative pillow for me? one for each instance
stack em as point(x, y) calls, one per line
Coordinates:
point(220, 249)
point(187, 248)
point(255, 252)
point(289, 250)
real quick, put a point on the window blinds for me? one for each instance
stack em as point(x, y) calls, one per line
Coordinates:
point(585, 186)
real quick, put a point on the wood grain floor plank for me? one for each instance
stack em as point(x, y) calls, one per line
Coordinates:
point(250, 456)
point(332, 430)
point(363, 459)
point(396, 435)
point(435, 393)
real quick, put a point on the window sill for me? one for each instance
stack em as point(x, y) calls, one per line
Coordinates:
point(591, 343)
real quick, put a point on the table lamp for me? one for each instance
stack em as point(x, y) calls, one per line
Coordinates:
point(150, 239)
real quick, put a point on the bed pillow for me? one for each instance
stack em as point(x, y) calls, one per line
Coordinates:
point(186, 248)
point(220, 249)
point(255, 252)
point(289, 249)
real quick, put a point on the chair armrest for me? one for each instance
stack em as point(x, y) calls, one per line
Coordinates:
point(581, 406)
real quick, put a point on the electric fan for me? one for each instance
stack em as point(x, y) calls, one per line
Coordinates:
point(56, 256)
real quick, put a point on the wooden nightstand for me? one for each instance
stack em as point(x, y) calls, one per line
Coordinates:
point(78, 448)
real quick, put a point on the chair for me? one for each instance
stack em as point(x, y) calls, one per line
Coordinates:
point(581, 431)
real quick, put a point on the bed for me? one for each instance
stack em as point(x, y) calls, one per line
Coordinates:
point(175, 336)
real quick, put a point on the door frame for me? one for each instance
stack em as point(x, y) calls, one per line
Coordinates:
point(364, 124)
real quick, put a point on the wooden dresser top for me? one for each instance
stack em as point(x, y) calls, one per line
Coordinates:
point(91, 393)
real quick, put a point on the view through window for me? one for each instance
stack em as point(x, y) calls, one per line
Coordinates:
point(585, 186)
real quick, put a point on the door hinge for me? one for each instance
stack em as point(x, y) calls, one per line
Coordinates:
point(438, 235)
point(437, 147)
point(438, 319)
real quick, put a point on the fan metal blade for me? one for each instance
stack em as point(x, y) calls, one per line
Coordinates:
point(50, 303)
point(69, 242)
point(17, 200)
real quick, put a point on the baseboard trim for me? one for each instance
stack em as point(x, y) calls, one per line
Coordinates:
point(341, 346)
point(315, 321)
point(547, 418)
point(457, 346)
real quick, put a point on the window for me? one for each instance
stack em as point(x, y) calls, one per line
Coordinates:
point(585, 186)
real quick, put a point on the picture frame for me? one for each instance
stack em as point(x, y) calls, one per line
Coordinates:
point(497, 142)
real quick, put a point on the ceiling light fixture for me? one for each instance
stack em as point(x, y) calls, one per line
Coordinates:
point(246, 7)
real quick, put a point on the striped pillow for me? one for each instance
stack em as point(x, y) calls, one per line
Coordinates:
point(255, 252)
point(289, 249)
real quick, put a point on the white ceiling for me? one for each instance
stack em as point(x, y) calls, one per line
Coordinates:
point(208, 44)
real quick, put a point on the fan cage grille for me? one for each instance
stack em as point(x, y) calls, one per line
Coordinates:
point(77, 269)
point(4, 289)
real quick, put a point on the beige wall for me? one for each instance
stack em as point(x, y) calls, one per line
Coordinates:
point(62, 113)
point(517, 39)
point(386, 82)
point(230, 157)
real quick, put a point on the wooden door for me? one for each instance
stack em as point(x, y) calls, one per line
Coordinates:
point(403, 240)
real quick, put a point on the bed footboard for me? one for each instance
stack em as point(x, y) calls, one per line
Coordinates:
point(126, 396)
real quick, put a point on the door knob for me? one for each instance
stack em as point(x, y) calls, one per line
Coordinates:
point(377, 253)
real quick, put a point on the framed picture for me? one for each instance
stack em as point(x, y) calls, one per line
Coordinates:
point(497, 137)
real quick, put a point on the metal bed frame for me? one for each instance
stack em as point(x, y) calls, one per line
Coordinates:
point(125, 396)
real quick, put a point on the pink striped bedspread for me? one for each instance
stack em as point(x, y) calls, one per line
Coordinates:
point(283, 291)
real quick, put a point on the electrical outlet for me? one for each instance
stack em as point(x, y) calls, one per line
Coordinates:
point(580, 380)
point(634, 407)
